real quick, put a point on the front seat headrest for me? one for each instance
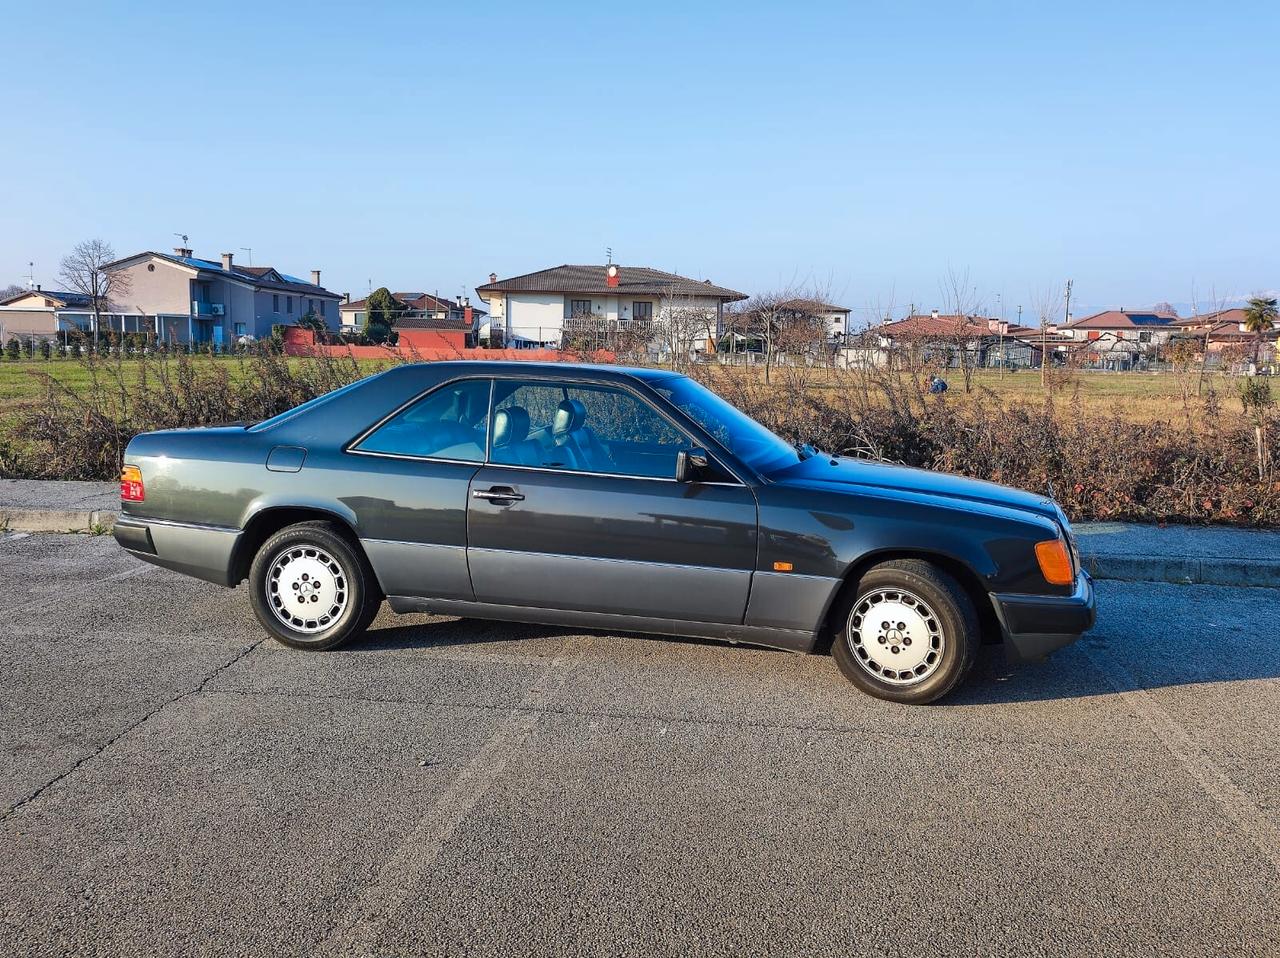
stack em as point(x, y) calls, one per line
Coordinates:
point(510, 425)
point(570, 415)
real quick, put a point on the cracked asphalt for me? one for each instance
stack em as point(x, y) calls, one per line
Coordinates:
point(174, 784)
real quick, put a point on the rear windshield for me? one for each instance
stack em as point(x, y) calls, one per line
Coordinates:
point(308, 405)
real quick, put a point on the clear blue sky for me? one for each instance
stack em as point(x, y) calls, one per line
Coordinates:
point(865, 148)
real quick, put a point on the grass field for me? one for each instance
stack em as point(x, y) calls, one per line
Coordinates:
point(1142, 397)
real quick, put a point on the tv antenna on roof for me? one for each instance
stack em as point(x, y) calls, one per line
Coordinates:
point(31, 275)
point(249, 250)
point(186, 243)
point(609, 252)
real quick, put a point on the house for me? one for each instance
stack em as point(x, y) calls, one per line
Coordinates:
point(421, 311)
point(1222, 329)
point(952, 340)
point(550, 306)
point(40, 313)
point(836, 318)
point(1139, 326)
point(181, 297)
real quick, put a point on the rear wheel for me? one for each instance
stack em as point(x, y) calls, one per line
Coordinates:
point(311, 588)
point(908, 633)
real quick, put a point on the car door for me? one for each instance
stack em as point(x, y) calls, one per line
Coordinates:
point(578, 508)
point(407, 480)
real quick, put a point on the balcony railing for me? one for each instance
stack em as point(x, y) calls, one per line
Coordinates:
point(207, 309)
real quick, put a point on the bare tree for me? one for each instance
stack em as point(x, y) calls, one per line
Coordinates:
point(10, 291)
point(784, 322)
point(82, 271)
point(962, 303)
point(680, 324)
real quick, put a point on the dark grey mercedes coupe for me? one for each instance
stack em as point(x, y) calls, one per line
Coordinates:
point(608, 498)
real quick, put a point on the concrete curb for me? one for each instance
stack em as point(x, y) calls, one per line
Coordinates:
point(1185, 570)
point(56, 520)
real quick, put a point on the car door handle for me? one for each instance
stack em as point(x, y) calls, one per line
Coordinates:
point(497, 494)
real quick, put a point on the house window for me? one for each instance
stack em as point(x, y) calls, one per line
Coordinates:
point(288, 305)
point(275, 302)
point(642, 311)
point(1094, 334)
point(311, 306)
point(322, 307)
point(1144, 337)
point(580, 307)
point(239, 329)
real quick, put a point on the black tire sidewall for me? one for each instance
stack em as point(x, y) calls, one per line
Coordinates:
point(354, 616)
point(954, 612)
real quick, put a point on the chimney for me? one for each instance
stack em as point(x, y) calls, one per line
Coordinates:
point(935, 314)
point(466, 300)
point(181, 251)
point(226, 261)
point(458, 300)
point(346, 297)
point(493, 277)
point(315, 277)
point(37, 287)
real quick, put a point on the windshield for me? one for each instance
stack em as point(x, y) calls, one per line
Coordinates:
point(735, 430)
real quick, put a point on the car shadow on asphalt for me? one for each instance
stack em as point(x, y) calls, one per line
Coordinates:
point(448, 632)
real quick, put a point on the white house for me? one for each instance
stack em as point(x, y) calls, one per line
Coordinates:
point(533, 309)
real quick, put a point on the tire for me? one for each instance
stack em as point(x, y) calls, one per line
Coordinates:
point(311, 588)
point(907, 633)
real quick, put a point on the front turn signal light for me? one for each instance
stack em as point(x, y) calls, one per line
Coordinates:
point(131, 484)
point(1055, 563)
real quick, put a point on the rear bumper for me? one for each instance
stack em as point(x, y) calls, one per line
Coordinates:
point(1035, 625)
point(205, 552)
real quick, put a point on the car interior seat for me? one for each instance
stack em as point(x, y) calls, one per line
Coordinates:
point(576, 440)
point(511, 442)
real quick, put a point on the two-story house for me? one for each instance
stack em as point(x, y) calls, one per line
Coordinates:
point(535, 309)
point(419, 307)
point(184, 298)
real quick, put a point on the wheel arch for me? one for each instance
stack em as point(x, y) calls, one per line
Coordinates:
point(959, 570)
point(266, 522)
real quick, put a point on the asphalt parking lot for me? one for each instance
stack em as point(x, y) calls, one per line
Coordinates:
point(174, 784)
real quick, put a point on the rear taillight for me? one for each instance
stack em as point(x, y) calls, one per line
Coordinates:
point(131, 484)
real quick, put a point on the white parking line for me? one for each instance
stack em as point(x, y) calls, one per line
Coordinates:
point(361, 927)
point(61, 597)
point(1233, 802)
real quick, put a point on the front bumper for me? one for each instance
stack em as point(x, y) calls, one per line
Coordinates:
point(1035, 625)
point(203, 551)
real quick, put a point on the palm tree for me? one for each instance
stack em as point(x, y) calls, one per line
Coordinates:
point(1260, 317)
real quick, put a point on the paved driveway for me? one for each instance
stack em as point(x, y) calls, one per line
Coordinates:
point(172, 784)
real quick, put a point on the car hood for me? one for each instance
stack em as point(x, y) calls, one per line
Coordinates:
point(839, 474)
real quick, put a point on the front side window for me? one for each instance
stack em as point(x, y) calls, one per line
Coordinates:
point(735, 430)
point(275, 302)
point(288, 305)
point(450, 423)
point(239, 329)
point(642, 311)
point(582, 428)
point(580, 307)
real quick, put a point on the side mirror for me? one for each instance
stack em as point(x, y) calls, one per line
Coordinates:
point(689, 462)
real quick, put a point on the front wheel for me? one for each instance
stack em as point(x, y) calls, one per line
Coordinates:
point(311, 589)
point(908, 633)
